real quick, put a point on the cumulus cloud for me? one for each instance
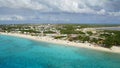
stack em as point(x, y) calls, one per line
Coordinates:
point(100, 7)
point(11, 17)
point(114, 13)
point(101, 12)
point(27, 4)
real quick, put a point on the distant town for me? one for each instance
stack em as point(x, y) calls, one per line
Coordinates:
point(99, 35)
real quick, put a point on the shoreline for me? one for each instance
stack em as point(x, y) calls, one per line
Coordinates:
point(114, 49)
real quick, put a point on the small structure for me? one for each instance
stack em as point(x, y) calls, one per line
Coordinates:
point(89, 29)
point(0, 30)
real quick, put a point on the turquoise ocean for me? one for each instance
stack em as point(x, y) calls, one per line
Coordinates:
point(18, 52)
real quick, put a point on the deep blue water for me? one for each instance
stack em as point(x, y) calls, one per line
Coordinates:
point(23, 53)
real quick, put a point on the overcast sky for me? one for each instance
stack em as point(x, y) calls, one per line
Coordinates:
point(60, 11)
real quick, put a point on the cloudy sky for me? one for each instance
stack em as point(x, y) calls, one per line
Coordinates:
point(60, 11)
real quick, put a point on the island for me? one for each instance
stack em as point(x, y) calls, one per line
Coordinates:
point(98, 37)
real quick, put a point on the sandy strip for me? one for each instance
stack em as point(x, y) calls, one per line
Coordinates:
point(114, 49)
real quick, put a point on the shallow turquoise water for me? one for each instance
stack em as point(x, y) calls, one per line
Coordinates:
point(23, 53)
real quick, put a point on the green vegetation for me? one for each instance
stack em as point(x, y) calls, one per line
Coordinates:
point(30, 31)
point(90, 33)
point(113, 39)
point(49, 32)
point(59, 37)
point(70, 29)
point(84, 38)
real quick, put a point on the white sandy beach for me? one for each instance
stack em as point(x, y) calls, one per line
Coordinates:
point(114, 49)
